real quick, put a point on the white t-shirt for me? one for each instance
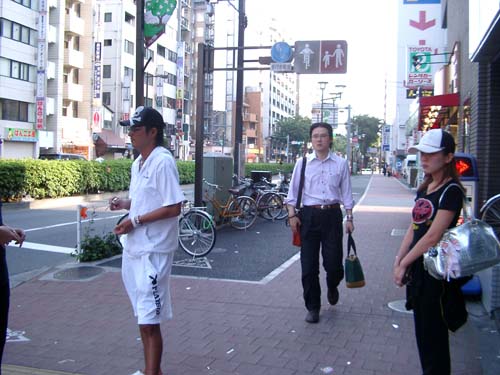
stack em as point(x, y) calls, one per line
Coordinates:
point(155, 185)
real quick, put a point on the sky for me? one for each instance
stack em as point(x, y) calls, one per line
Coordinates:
point(368, 26)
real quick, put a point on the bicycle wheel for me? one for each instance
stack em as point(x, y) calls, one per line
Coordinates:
point(197, 233)
point(284, 211)
point(121, 238)
point(269, 205)
point(490, 213)
point(243, 212)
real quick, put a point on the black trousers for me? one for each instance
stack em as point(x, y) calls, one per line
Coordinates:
point(431, 329)
point(4, 301)
point(320, 229)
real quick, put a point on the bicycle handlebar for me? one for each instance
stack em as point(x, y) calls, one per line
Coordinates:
point(212, 185)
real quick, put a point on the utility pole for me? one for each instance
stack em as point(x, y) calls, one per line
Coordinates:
point(348, 146)
point(139, 53)
point(238, 131)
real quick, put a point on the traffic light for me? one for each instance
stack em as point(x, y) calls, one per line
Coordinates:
point(465, 165)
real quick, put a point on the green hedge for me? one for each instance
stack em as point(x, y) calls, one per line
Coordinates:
point(271, 167)
point(61, 178)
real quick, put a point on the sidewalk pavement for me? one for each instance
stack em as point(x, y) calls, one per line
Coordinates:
point(227, 327)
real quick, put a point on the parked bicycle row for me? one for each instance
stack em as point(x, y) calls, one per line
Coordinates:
point(246, 200)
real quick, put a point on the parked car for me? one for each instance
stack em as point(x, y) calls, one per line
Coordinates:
point(61, 156)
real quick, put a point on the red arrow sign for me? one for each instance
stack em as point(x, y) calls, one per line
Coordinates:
point(422, 24)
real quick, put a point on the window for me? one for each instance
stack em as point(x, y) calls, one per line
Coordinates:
point(26, 3)
point(15, 31)
point(160, 50)
point(106, 71)
point(148, 102)
point(75, 109)
point(148, 79)
point(14, 110)
point(17, 70)
point(129, 47)
point(76, 76)
point(130, 19)
point(108, 42)
point(129, 72)
point(172, 56)
point(168, 102)
point(149, 54)
point(106, 98)
point(108, 17)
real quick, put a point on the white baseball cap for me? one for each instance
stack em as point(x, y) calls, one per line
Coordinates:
point(434, 140)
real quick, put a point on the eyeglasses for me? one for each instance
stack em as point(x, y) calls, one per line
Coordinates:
point(318, 136)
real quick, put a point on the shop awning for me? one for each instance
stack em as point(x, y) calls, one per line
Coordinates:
point(434, 109)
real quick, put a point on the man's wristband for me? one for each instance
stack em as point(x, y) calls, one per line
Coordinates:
point(136, 221)
point(294, 215)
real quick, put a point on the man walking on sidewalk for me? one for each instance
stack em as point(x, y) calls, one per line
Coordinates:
point(327, 184)
point(152, 231)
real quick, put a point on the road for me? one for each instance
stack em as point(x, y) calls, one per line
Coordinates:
point(52, 236)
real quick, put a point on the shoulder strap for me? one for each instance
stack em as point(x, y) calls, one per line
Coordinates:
point(301, 182)
point(465, 206)
point(445, 190)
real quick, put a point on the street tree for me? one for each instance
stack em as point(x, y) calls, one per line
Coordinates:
point(296, 129)
point(367, 129)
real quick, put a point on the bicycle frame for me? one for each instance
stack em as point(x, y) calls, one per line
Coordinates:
point(223, 209)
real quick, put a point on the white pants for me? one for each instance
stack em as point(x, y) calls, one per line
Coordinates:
point(147, 282)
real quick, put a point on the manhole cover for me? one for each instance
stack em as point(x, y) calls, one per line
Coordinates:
point(399, 306)
point(78, 273)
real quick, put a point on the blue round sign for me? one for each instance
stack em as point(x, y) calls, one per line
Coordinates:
point(281, 52)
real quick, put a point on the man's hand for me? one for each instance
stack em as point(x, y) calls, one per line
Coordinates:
point(8, 234)
point(115, 203)
point(294, 223)
point(124, 227)
point(349, 227)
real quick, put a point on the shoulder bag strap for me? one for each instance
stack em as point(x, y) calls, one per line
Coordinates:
point(301, 183)
point(465, 207)
point(351, 244)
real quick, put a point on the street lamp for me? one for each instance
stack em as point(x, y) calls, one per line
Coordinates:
point(322, 86)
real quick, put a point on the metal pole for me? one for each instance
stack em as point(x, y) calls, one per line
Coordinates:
point(238, 131)
point(287, 146)
point(321, 110)
point(348, 146)
point(198, 156)
point(139, 53)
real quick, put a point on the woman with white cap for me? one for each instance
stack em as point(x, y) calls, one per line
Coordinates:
point(438, 305)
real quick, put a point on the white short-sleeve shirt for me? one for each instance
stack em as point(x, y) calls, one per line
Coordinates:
point(155, 185)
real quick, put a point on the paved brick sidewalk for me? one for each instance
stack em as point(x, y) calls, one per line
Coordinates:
point(227, 327)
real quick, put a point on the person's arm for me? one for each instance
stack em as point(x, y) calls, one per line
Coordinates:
point(165, 212)
point(439, 225)
point(347, 200)
point(291, 199)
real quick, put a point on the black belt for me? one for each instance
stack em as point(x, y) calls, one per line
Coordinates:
point(325, 206)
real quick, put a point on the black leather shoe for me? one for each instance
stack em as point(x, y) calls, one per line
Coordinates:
point(333, 296)
point(312, 316)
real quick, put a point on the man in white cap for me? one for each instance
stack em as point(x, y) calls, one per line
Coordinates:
point(154, 203)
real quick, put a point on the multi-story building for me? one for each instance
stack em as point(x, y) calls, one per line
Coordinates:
point(252, 125)
point(18, 77)
point(279, 90)
point(44, 90)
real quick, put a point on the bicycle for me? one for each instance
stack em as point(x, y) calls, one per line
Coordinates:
point(490, 213)
point(197, 232)
point(240, 210)
point(269, 202)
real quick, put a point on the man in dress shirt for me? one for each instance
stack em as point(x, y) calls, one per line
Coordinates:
point(327, 185)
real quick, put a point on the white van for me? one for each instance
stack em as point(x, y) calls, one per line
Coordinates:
point(409, 162)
